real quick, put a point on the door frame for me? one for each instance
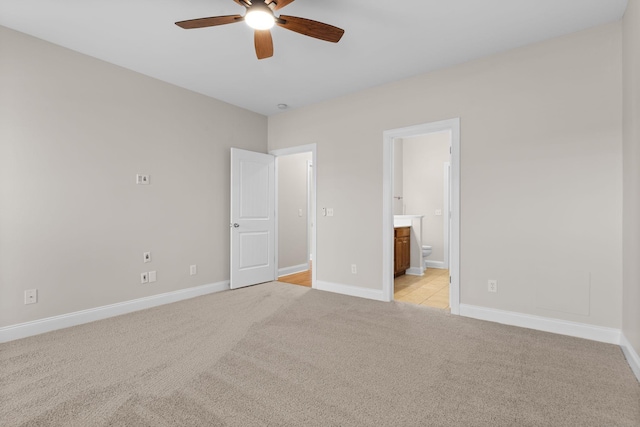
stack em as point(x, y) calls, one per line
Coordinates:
point(309, 148)
point(452, 125)
point(310, 207)
point(447, 220)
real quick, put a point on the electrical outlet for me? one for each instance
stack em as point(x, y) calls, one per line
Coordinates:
point(142, 179)
point(193, 270)
point(152, 276)
point(329, 211)
point(31, 296)
point(354, 269)
point(144, 278)
point(438, 212)
point(493, 286)
point(146, 256)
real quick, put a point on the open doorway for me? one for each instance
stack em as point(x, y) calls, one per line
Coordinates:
point(295, 215)
point(421, 218)
point(411, 234)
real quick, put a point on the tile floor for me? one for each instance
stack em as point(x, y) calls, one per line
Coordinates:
point(431, 290)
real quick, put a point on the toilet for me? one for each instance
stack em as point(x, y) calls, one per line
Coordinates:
point(426, 251)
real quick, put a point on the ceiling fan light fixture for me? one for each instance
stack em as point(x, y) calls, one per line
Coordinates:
point(260, 18)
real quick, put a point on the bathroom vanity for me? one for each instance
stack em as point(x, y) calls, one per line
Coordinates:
point(402, 251)
point(408, 245)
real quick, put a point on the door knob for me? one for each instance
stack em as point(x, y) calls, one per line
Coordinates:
point(236, 225)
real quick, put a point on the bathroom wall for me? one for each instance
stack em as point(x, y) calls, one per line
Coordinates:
point(292, 212)
point(398, 159)
point(423, 174)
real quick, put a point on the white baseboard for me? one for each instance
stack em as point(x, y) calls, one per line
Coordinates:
point(415, 271)
point(556, 326)
point(435, 264)
point(23, 330)
point(631, 355)
point(286, 271)
point(354, 291)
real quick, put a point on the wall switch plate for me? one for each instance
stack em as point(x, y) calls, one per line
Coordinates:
point(493, 286)
point(438, 212)
point(142, 179)
point(299, 212)
point(144, 278)
point(329, 211)
point(354, 269)
point(31, 296)
point(193, 270)
point(152, 276)
point(146, 256)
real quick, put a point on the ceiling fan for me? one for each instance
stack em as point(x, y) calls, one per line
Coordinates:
point(261, 18)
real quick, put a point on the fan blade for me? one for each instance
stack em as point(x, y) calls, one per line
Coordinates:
point(280, 3)
point(241, 3)
point(209, 22)
point(264, 43)
point(311, 28)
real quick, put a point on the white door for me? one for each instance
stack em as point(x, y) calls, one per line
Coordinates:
point(252, 218)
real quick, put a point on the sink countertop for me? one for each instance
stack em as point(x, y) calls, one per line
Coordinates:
point(405, 220)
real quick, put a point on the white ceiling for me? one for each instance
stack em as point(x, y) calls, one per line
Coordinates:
point(384, 40)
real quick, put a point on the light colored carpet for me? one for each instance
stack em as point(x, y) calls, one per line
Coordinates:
point(282, 355)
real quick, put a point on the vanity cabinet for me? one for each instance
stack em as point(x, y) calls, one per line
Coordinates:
point(402, 252)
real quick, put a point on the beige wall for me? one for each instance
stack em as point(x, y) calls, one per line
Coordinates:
point(424, 158)
point(74, 131)
point(631, 174)
point(541, 181)
point(541, 177)
point(292, 197)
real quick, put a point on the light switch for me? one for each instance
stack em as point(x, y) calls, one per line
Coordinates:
point(329, 211)
point(438, 212)
point(299, 212)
